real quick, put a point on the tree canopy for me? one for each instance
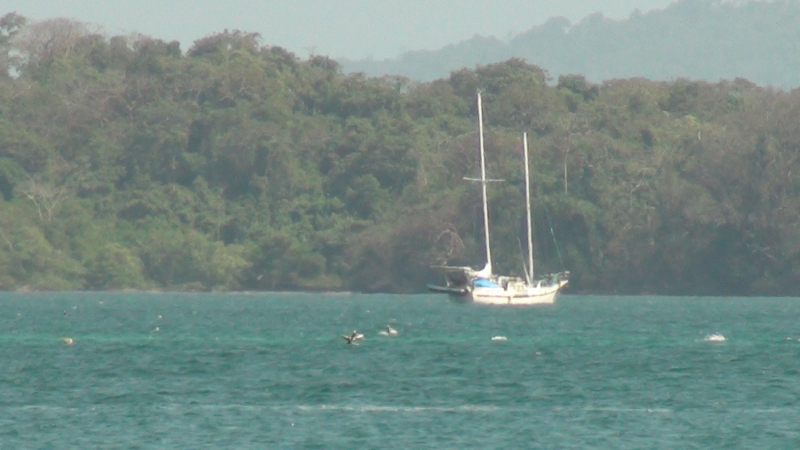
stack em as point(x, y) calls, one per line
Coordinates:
point(127, 163)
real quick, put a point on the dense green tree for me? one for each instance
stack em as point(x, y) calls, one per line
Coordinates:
point(125, 164)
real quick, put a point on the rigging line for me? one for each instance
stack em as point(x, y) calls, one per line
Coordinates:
point(552, 233)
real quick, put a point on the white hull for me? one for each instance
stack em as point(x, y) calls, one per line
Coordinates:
point(516, 295)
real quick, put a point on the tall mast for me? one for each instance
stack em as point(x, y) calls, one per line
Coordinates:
point(528, 205)
point(483, 187)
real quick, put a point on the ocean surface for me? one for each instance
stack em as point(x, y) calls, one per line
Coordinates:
point(251, 371)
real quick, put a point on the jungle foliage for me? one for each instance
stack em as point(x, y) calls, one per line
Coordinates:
point(127, 163)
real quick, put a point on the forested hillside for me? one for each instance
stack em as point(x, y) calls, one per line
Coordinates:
point(128, 162)
point(700, 39)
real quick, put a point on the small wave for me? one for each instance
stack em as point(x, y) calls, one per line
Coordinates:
point(715, 337)
point(64, 410)
point(783, 411)
point(471, 409)
point(402, 409)
point(629, 410)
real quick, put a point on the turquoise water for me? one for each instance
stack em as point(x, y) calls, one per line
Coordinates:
point(191, 371)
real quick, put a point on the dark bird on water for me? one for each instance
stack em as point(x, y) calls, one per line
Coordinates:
point(354, 336)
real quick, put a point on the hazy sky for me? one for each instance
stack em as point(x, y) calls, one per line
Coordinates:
point(339, 28)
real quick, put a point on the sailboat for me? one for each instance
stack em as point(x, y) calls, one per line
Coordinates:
point(483, 285)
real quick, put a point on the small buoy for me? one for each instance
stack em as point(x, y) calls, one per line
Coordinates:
point(499, 338)
point(68, 341)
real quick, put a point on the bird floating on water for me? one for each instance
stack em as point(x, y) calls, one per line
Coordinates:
point(354, 336)
point(388, 332)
